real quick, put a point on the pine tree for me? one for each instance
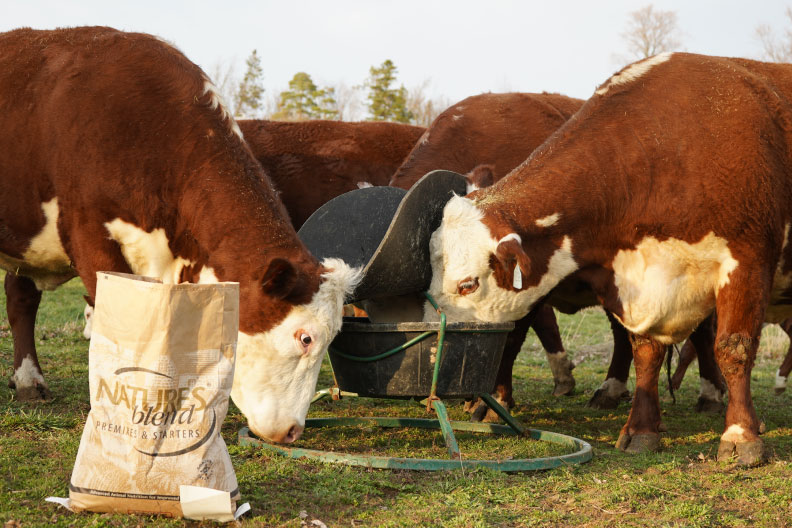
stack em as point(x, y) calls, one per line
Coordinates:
point(248, 98)
point(386, 103)
point(304, 100)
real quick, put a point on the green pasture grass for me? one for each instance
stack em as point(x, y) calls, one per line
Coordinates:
point(682, 485)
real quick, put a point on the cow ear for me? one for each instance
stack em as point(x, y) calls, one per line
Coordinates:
point(480, 177)
point(279, 279)
point(512, 257)
point(88, 301)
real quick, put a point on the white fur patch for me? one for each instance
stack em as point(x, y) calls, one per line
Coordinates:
point(44, 261)
point(274, 381)
point(549, 220)
point(363, 185)
point(216, 102)
point(461, 247)
point(27, 375)
point(667, 288)
point(735, 433)
point(88, 313)
point(424, 139)
point(780, 381)
point(614, 388)
point(45, 249)
point(708, 391)
point(633, 72)
point(147, 253)
point(511, 236)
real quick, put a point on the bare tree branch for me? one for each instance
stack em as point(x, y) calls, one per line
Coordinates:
point(348, 102)
point(773, 49)
point(424, 109)
point(650, 31)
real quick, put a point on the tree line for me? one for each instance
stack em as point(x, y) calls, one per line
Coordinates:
point(385, 98)
point(648, 32)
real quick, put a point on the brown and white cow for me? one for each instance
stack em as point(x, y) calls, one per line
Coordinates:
point(486, 136)
point(311, 162)
point(599, 201)
point(117, 154)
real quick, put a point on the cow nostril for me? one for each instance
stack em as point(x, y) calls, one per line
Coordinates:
point(294, 433)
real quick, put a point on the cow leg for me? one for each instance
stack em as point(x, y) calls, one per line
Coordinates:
point(614, 388)
point(642, 431)
point(546, 328)
point(22, 302)
point(740, 317)
point(686, 357)
point(503, 380)
point(786, 365)
point(712, 385)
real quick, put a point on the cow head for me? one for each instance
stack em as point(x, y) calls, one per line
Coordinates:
point(276, 370)
point(477, 275)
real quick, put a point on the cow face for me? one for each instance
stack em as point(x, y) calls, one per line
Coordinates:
point(276, 371)
point(478, 277)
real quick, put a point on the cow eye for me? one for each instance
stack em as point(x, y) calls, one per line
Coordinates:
point(467, 286)
point(305, 339)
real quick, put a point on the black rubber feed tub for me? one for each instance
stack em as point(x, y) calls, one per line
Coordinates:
point(469, 361)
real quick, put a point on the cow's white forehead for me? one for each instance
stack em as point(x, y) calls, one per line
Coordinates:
point(461, 246)
point(273, 384)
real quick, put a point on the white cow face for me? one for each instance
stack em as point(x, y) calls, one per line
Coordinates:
point(276, 371)
point(464, 257)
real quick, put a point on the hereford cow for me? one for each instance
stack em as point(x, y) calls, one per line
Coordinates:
point(311, 162)
point(599, 202)
point(117, 154)
point(487, 136)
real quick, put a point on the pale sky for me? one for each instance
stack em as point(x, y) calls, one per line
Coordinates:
point(463, 47)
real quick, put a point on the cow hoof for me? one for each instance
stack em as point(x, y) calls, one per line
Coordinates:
point(726, 451)
point(749, 454)
point(491, 417)
point(780, 390)
point(603, 400)
point(640, 443)
point(705, 405)
point(11, 383)
point(564, 388)
point(470, 405)
point(37, 392)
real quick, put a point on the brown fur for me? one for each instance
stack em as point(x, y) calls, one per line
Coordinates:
point(497, 129)
point(311, 162)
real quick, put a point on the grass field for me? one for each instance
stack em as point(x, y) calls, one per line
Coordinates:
point(680, 486)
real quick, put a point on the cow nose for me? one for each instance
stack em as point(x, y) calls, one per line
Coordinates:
point(293, 434)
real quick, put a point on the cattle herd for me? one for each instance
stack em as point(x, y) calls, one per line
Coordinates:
point(665, 198)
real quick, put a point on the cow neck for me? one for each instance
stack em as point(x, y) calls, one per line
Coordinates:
point(250, 229)
point(577, 183)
